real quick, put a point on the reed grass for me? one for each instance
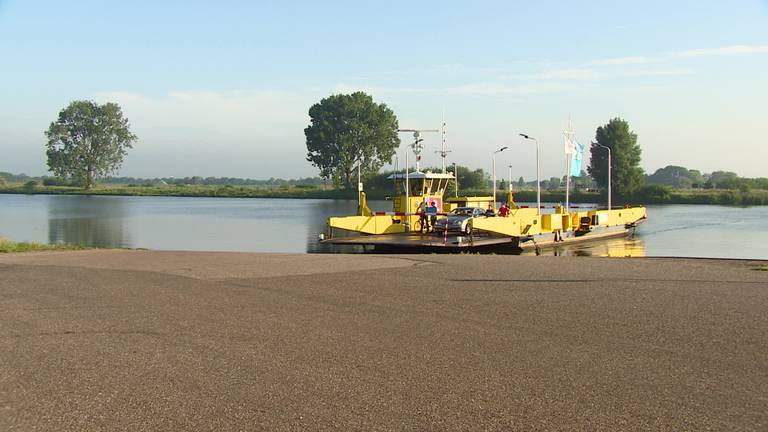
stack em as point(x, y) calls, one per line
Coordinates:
point(9, 246)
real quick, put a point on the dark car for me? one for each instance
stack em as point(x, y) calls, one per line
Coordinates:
point(457, 220)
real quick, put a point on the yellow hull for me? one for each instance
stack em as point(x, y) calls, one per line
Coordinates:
point(367, 224)
point(521, 223)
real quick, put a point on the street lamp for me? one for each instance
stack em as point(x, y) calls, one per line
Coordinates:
point(493, 158)
point(456, 180)
point(359, 187)
point(609, 172)
point(538, 180)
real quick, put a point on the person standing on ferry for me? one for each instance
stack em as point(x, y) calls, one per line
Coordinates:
point(503, 210)
point(421, 211)
point(432, 213)
point(490, 212)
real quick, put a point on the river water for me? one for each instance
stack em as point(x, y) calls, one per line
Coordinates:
point(292, 225)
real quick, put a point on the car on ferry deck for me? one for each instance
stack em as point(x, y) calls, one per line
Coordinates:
point(457, 220)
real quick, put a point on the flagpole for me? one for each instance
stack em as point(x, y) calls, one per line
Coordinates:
point(568, 183)
point(569, 151)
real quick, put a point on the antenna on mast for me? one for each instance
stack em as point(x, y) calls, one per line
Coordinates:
point(417, 145)
point(443, 152)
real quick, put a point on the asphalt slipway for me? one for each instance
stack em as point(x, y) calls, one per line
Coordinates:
point(149, 340)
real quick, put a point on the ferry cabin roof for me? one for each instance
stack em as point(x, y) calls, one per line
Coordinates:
point(423, 183)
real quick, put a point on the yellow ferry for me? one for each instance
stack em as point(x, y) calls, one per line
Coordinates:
point(402, 229)
point(424, 220)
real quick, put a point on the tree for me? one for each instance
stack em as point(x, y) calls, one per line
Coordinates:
point(676, 176)
point(88, 141)
point(721, 179)
point(347, 130)
point(626, 174)
point(582, 181)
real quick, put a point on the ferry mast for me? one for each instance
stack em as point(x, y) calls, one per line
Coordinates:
point(443, 152)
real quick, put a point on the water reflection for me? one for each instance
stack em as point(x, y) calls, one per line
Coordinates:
point(616, 247)
point(316, 217)
point(92, 221)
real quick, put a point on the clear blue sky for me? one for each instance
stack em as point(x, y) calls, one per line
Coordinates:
point(223, 88)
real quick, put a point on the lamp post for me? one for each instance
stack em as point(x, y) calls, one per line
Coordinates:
point(456, 179)
point(493, 158)
point(407, 197)
point(359, 186)
point(538, 179)
point(609, 173)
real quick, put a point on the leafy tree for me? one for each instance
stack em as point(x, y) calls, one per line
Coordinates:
point(14, 177)
point(88, 141)
point(733, 183)
point(472, 179)
point(626, 174)
point(347, 130)
point(656, 193)
point(676, 176)
point(582, 181)
point(721, 180)
point(758, 183)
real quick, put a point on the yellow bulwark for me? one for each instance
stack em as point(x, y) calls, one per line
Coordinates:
point(367, 224)
point(525, 221)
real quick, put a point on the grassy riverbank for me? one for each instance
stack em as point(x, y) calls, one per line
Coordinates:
point(7, 246)
point(648, 195)
point(226, 191)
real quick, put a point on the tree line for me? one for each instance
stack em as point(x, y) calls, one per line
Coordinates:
point(89, 141)
point(679, 177)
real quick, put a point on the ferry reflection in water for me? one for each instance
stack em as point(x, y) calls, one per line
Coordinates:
point(616, 247)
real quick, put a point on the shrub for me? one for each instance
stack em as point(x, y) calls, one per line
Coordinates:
point(55, 181)
point(58, 181)
point(655, 193)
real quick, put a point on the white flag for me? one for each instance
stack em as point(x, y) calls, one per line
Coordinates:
point(570, 146)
